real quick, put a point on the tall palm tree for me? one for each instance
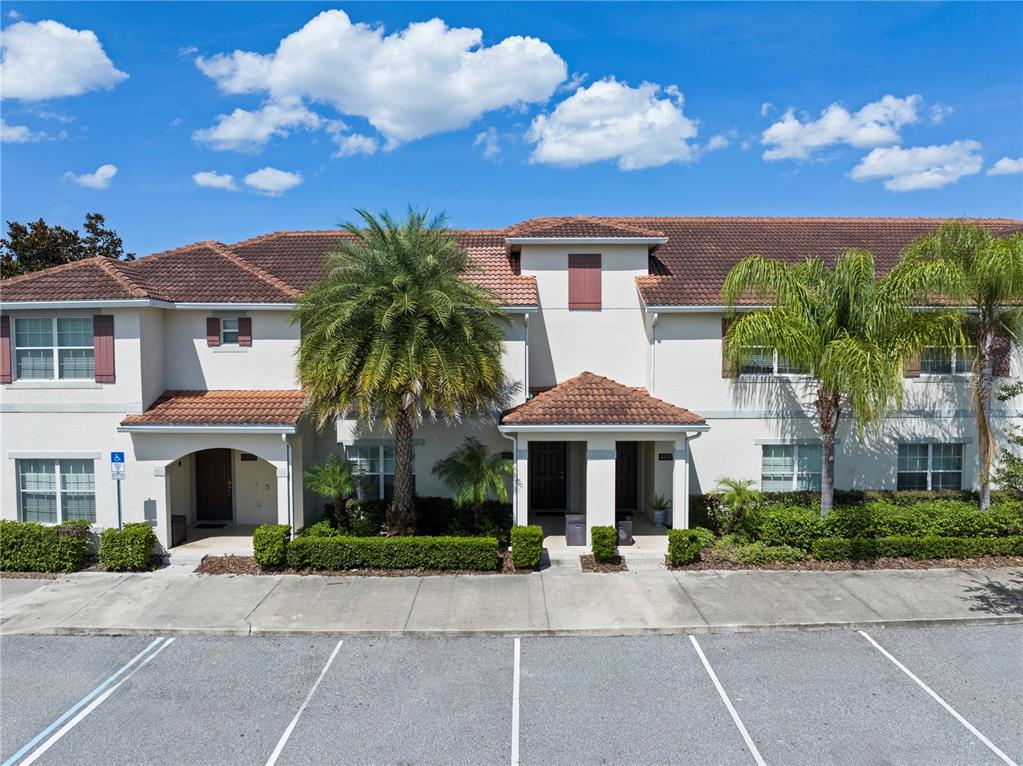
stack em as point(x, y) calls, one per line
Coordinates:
point(336, 480)
point(966, 265)
point(849, 331)
point(472, 474)
point(395, 334)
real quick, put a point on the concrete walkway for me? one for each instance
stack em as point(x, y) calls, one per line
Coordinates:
point(172, 602)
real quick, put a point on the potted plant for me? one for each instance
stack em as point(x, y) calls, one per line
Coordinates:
point(660, 506)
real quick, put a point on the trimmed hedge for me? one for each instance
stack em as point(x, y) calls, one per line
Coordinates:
point(783, 525)
point(270, 543)
point(27, 546)
point(527, 546)
point(434, 516)
point(761, 553)
point(128, 549)
point(931, 547)
point(684, 545)
point(604, 543)
point(337, 553)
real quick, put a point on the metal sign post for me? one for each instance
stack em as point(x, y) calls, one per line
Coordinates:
point(117, 474)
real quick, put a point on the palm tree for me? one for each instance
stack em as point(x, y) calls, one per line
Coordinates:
point(736, 497)
point(849, 331)
point(334, 479)
point(395, 334)
point(966, 265)
point(472, 474)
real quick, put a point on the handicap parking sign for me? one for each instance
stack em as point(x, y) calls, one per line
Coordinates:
point(116, 466)
point(116, 457)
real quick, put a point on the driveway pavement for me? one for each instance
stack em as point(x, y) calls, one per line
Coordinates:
point(817, 697)
point(545, 603)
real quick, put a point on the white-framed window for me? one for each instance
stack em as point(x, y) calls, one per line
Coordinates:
point(941, 360)
point(52, 348)
point(930, 466)
point(54, 491)
point(229, 330)
point(374, 464)
point(790, 467)
point(765, 360)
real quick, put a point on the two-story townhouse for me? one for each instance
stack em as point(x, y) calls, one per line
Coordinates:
point(185, 362)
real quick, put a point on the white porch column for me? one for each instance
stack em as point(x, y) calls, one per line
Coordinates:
point(680, 485)
point(521, 488)
point(163, 509)
point(600, 484)
point(283, 492)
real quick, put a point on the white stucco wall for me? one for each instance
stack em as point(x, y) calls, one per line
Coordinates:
point(255, 491)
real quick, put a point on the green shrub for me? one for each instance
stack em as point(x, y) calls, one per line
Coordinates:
point(321, 528)
point(761, 553)
point(604, 543)
point(928, 518)
point(33, 547)
point(783, 525)
point(337, 553)
point(931, 547)
point(270, 544)
point(684, 545)
point(128, 549)
point(526, 546)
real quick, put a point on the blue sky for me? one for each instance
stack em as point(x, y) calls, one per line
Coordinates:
point(550, 109)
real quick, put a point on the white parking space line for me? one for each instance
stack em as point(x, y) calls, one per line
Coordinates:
point(305, 703)
point(515, 704)
point(934, 695)
point(157, 644)
point(728, 704)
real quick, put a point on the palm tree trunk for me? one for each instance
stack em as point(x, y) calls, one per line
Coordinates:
point(828, 411)
point(400, 515)
point(982, 391)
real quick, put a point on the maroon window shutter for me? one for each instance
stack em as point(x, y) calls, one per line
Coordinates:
point(103, 347)
point(727, 368)
point(1000, 356)
point(6, 375)
point(911, 365)
point(244, 331)
point(212, 331)
point(584, 281)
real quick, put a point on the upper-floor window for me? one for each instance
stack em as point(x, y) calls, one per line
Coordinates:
point(764, 360)
point(584, 282)
point(790, 467)
point(930, 466)
point(54, 491)
point(229, 330)
point(51, 348)
point(938, 360)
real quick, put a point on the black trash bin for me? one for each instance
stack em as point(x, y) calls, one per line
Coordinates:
point(179, 529)
point(575, 529)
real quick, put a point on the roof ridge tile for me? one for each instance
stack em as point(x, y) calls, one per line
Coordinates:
point(225, 252)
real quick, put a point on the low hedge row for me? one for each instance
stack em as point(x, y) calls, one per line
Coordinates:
point(128, 549)
point(526, 546)
point(931, 547)
point(604, 543)
point(337, 553)
point(684, 545)
point(32, 547)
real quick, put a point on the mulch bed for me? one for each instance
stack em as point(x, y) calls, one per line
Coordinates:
point(29, 575)
point(246, 565)
point(811, 565)
point(590, 564)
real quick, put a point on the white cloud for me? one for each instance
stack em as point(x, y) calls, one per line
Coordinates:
point(187, 51)
point(13, 15)
point(19, 134)
point(424, 79)
point(611, 121)
point(210, 179)
point(271, 181)
point(349, 144)
point(876, 124)
point(247, 131)
point(1006, 166)
point(766, 108)
point(937, 113)
point(49, 60)
point(920, 167)
point(717, 142)
point(490, 140)
point(100, 179)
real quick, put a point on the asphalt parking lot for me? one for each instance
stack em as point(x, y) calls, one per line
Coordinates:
point(770, 697)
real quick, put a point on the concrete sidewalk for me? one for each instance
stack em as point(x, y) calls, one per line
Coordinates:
point(545, 603)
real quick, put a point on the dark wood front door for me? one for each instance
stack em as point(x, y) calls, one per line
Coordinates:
point(213, 485)
point(626, 475)
point(547, 489)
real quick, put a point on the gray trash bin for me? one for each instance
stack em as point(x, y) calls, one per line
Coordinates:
point(624, 531)
point(179, 529)
point(575, 528)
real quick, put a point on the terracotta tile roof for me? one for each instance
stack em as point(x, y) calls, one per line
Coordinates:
point(691, 267)
point(212, 408)
point(589, 399)
point(96, 278)
point(581, 226)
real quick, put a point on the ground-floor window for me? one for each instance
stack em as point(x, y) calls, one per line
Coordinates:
point(930, 466)
point(53, 491)
point(790, 467)
point(375, 467)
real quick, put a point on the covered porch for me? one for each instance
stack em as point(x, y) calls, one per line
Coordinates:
point(593, 452)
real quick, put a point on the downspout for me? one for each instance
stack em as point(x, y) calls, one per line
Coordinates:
point(653, 350)
point(514, 438)
point(525, 371)
point(291, 487)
